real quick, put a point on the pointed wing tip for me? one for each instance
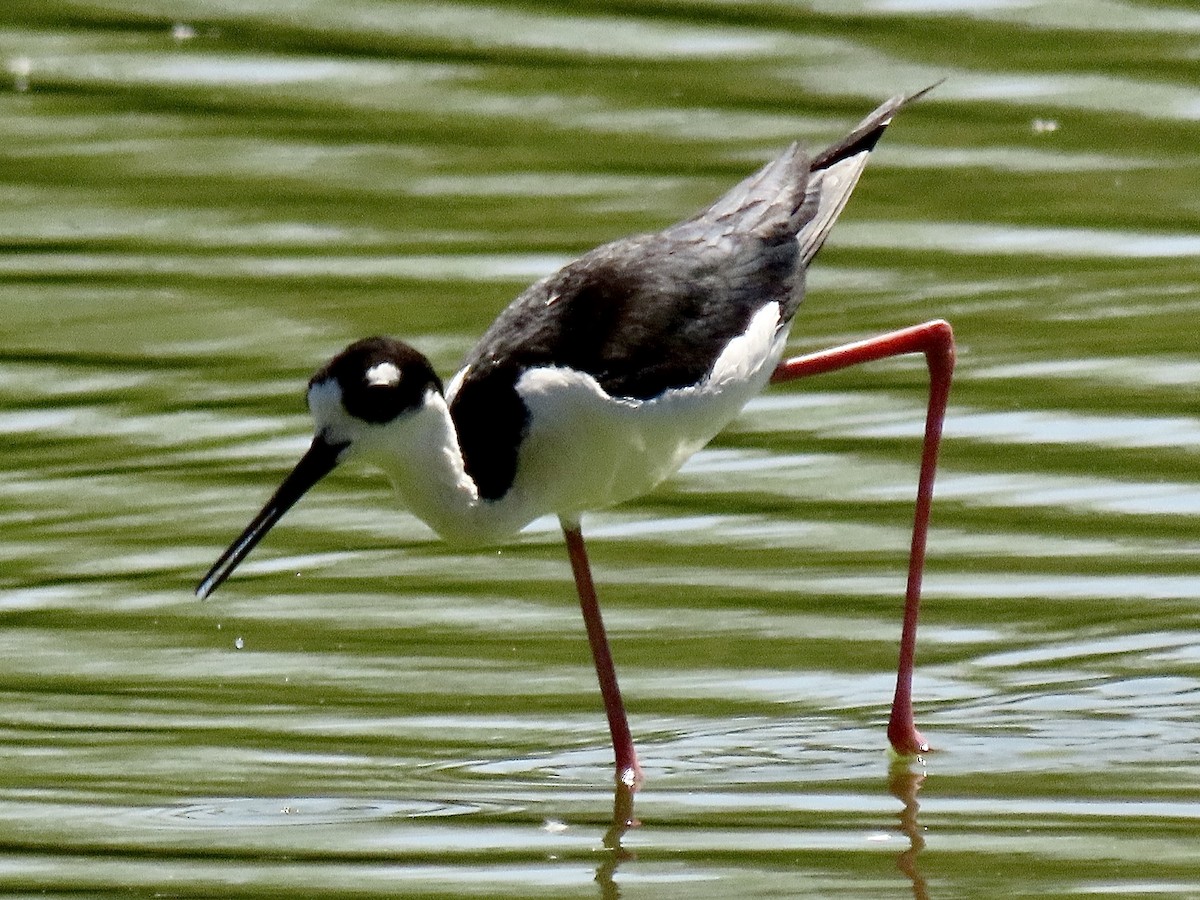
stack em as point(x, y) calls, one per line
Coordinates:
point(925, 90)
point(867, 133)
point(902, 100)
point(850, 154)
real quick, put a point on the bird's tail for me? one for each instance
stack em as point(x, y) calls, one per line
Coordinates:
point(835, 171)
point(795, 195)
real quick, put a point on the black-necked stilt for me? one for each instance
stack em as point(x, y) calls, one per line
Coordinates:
point(601, 379)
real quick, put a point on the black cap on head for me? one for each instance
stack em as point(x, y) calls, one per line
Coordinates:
point(379, 378)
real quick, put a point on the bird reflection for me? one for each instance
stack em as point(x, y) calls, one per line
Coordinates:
point(904, 785)
point(614, 853)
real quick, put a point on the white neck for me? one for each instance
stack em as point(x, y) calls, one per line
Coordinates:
point(420, 453)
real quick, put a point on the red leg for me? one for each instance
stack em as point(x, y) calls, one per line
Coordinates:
point(629, 773)
point(936, 340)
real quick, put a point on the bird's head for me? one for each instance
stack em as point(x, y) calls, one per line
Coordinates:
point(360, 402)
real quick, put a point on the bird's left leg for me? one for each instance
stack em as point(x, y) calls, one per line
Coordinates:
point(936, 340)
point(629, 773)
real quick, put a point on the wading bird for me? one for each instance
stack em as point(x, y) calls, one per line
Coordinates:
point(600, 380)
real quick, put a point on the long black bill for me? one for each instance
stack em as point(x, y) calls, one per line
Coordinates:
point(314, 465)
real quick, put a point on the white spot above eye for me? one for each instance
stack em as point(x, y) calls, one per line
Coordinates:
point(384, 374)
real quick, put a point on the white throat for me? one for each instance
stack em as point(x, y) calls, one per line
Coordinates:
point(420, 454)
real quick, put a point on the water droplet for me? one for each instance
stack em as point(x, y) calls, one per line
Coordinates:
point(20, 68)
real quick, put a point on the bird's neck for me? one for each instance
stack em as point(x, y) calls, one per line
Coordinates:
point(420, 453)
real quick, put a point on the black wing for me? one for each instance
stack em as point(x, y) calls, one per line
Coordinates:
point(652, 312)
point(649, 313)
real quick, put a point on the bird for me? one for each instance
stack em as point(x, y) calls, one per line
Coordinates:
point(603, 378)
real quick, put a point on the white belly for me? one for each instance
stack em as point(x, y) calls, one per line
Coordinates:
point(586, 450)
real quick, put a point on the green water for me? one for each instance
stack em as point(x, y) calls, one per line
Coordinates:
point(202, 200)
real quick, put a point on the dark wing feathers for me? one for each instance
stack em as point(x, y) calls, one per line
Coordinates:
point(647, 313)
point(771, 197)
point(641, 315)
point(653, 312)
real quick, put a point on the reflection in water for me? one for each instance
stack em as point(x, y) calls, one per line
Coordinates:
point(614, 854)
point(904, 784)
